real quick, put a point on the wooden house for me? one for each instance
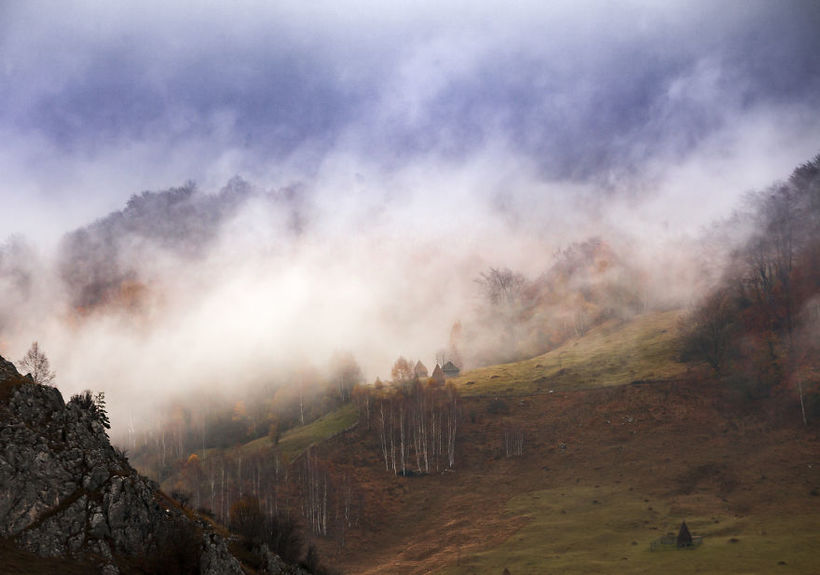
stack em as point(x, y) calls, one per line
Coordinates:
point(420, 370)
point(450, 369)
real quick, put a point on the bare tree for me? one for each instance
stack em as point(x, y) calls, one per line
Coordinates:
point(513, 441)
point(708, 330)
point(315, 507)
point(502, 286)
point(421, 419)
point(769, 273)
point(35, 363)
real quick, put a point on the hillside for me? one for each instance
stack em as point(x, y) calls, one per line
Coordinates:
point(617, 352)
point(294, 441)
point(603, 473)
point(620, 442)
point(628, 444)
point(506, 288)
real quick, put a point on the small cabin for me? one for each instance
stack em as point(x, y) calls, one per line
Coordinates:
point(450, 369)
point(438, 376)
point(420, 371)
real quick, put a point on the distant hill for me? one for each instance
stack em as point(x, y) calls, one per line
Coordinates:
point(96, 261)
point(101, 262)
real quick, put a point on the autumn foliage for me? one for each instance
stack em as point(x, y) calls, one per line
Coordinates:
point(758, 328)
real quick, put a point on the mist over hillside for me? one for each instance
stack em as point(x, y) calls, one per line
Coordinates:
point(184, 291)
point(221, 197)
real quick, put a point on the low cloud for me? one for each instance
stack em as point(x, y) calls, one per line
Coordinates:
point(395, 154)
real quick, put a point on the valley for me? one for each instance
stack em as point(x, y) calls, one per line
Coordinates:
point(621, 443)
point(456, 288)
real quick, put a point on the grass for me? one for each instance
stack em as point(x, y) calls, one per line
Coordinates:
point(606, 470)
point(295, 441)
point(291, 444)
point(614, 353)
point(584, 529)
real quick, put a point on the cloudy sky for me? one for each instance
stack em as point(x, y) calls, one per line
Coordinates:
point(104, 99)
point(429, 135)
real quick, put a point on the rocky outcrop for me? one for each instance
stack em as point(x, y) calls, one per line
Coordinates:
point(65, 491)
point(272, 564)
point(7, 370)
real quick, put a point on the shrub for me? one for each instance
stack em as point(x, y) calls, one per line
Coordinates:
point(248, 520)
point(93, 404)
point(312, 559)
point(121, 453)
point(182, 497)
point(284, 537)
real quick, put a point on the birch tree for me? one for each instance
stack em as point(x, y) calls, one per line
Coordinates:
point(35, 363)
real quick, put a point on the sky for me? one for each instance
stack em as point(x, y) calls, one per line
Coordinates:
point(492, 132)
point(101, 99)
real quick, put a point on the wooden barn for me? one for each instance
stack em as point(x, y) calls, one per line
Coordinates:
point(438, 375)
point(450, 369)
point(420, 370)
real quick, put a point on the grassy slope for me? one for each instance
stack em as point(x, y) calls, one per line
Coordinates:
point(615, 353)
point(638, 459)
point(295, 441)
point(565, 532)
point(292, 443)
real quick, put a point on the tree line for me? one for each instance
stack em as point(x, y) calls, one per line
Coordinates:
point(518, 317)
point(199, 423)
point(758, 327)
point(416, 421)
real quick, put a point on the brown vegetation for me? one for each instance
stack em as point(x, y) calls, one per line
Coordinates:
point(685, 446)
point(758, 328)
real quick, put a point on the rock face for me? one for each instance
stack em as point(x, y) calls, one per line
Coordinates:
point(7, 370)
point(65, 491)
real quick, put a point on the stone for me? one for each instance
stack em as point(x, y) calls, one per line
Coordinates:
point(216, 559)
point(65, 491)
